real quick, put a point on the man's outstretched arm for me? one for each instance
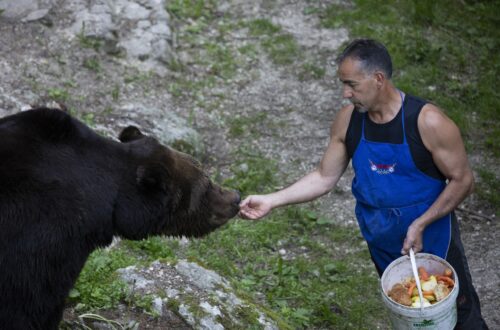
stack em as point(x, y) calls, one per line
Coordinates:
point(314, 184)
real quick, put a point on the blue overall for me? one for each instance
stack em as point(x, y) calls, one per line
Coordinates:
point(390, 193)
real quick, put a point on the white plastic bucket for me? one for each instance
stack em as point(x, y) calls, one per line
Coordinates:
point(442, 315)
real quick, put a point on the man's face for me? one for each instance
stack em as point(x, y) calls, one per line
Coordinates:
point(358, 86)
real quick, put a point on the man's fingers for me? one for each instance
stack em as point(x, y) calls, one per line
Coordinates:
point(244, 203)
point(246, 215)
point(246, 212)
point(406, 247)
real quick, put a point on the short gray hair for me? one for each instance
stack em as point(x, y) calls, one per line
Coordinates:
point(372, 54)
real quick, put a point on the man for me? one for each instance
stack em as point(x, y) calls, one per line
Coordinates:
point(411, 171)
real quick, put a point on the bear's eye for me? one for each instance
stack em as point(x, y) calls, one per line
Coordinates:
point(191, 160)
point(196, 163)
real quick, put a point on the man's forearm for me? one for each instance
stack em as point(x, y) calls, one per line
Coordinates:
point(309, 187)
point(454, 193)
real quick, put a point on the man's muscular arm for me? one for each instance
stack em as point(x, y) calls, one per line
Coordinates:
point(314, 184)
point(442, 138)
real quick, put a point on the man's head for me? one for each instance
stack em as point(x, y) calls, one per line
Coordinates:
point(364, 68)
point(372, 55)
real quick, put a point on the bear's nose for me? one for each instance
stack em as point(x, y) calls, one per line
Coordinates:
point(237, 199)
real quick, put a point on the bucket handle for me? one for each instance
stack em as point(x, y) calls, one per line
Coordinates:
point(417, 279)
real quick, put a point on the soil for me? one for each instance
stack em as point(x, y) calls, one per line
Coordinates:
point(298, 112)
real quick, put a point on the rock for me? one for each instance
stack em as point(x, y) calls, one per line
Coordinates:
point(201, 277)
point(205, 299)
point(169, 128)
point(25, 10)
point(132, 277)
point(138, 29)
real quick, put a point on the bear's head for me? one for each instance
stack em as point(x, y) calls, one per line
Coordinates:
point(170, 195)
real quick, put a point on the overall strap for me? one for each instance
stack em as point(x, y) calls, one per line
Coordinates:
point(403, 117)
point(363, 125)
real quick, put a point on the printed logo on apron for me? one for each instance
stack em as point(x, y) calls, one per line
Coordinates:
point(382, 168)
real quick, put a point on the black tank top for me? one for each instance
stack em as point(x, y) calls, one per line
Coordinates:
point(392, 132)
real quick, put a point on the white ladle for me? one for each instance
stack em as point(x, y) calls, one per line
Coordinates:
point(417, 279)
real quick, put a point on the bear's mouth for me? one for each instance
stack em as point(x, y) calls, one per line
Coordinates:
point(224, 204)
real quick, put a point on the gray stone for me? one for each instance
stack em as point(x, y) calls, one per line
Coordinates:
point(131, 276)
point(138, 29)
point(16, 10)
point(158, 306)
point(167, 127)
point(201, 277)
point(36, 15)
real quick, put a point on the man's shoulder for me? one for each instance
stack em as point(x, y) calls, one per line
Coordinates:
point(433, 119)
point(432, 112)
point(341, 122)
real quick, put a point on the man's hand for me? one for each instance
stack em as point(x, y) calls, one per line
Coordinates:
point(413, 238)
point(255, 207)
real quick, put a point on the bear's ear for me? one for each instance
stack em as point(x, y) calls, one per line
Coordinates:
point(153, 177)
point(130, 133)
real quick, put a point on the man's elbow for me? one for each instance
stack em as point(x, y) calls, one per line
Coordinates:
point(472, 185)
point(469, 183)
point(327, 184)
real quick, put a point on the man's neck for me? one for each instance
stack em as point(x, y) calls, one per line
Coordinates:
point(387, 107)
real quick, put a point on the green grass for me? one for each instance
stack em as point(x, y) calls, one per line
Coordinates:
point(98, 286)
point(221, 59)
point(88, 42)
point(192, 9)
point(58, 94)
point(153, 248)
point(310, 71)
point(241, 126)
point(253, 173)
point(279, 46)
point(282, 49)
point(262, 27)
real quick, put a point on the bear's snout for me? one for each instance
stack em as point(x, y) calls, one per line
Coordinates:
point(236, 202)
point(224, 204)
point(237, 199)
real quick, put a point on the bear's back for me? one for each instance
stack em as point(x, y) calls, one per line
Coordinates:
point(44, 124)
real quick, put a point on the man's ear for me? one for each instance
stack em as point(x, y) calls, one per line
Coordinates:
point(130, 133)
point(153, 177)
point(380, 79)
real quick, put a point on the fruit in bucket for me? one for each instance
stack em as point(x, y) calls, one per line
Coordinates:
point(435, 288)
point(430, 284)
point(416, 302)
point(400, 294)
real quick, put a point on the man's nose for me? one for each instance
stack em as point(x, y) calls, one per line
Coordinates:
point(346, 92)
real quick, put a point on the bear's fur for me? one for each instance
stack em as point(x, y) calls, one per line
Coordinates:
point(65, 191)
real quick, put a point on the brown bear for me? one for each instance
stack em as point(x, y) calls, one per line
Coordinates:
point(65, 191)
